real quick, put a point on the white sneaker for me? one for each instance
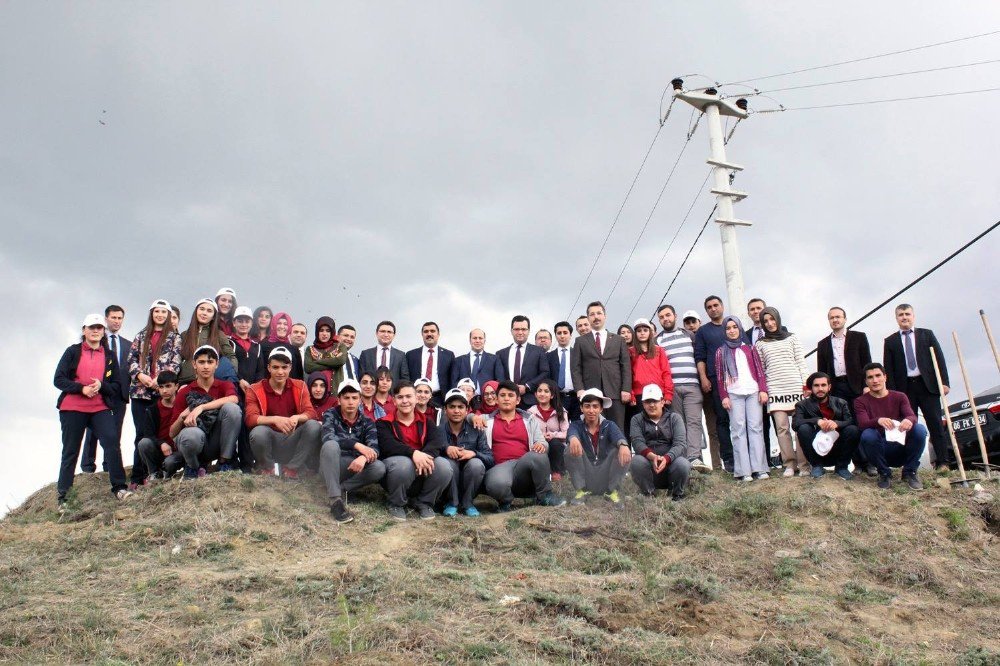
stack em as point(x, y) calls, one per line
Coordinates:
point(124, 494)
point(788, 472)
point(747, 479)
point(762, 475)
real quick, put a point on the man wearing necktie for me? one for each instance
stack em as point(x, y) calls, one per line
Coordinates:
point(347, 335)
point(523, 363)
point(906, 356)
point(432, 362)
point(560, 367)
point(114, 317)
point(601, 360)
point(478, 364)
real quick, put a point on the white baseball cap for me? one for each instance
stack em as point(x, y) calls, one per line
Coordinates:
point(422, 382)
point(243, 311)
point(823, 441)
point(226, 291)
point(595, 393)
point(349, 384)
point(93, 320)
point(465, 381)
point(208, 348)
point(206, 301)
point(690, 314)
point(651, 392)
point(456, 394)
point(280, 351)
point(160, 303)
point(643, 322)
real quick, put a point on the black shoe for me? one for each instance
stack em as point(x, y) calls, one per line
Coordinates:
point(913, 482)
point(871, 470)
point(397, 512)
point(678, 496)
point(340, 512)
point(425, 511)
point(884, 482)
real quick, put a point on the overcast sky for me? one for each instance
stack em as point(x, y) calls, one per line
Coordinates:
point(462, 162)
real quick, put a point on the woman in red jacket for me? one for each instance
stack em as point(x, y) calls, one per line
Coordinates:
point(649, 365)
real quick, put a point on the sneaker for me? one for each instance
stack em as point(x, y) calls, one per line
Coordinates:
point(425, 512)
point(844, 473)
point(700, 466)
point(551, 499)
point(61, 503)
point(124, 494)
point(556, 476)
point(290, 473)
point(817, 472)
point(912, 481)
point(884, 482)
point(678, 496)
point(580, 498)
point(472, 512)
point(133, 486)
point(613, 497)
point(760, 476)
point(450, 511)
point(746, 479)
point(871, 470)
point(340, 512)
point(504, 507)
point(202, 472)
point(789, 471)
point(397, 512)
point(190, 473)
point(266, 471)
point(224, 467)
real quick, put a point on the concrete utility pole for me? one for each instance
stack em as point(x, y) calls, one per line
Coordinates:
point(714, 108)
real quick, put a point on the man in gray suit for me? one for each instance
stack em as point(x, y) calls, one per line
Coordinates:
point(384, 354)
point(114, 317)
point(600, 360)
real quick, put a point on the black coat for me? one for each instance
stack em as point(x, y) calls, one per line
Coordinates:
point(857, 354)
point(807, 412)
point(65, 377)
point(894, 360)
point(249, 362)
point(265, 349)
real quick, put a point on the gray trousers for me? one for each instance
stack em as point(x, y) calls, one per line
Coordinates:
point(404, 485)
point(333, 464)
point(198, 448)
point(153, 458)
point(599, 478)
point(466, 479)
point(688, 404)
point(528, 476)
point(674, 477)
point(292, 449)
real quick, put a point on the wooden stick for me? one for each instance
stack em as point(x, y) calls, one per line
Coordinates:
point(947, 416)
point(972, 403)
point(989, 335)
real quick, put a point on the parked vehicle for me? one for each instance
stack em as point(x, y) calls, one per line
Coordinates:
point(988, 407)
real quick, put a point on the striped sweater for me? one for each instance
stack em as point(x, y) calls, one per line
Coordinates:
point(679, 347)
point(785, 369)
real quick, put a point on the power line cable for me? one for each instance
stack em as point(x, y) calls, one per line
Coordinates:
point(924, 275)
point(690, 250)
point(874, 78)
point(876, 101)
point(649, 217)
point(701, 190)
point(866, 58)
point(615, 221)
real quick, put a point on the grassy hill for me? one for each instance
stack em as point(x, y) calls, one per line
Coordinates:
point(234, 569)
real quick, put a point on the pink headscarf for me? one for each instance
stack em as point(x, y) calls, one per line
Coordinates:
point(273, 337)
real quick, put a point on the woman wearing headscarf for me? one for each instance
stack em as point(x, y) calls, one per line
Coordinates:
point(326, 354)
point(743, 389)
point(319, 394)
point(281, 326)
point(785, 371)
point(486, 403)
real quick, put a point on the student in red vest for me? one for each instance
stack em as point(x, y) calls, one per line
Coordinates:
point(408, 445)
point(156, 447)
point(87, 376)
point(206, 417)
point(520, 452)
point(282, 422)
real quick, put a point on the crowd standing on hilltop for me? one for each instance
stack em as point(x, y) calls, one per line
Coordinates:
point(241, 390)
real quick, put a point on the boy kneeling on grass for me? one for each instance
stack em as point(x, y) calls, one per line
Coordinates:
point(598, 454)
point(156, 447)
point(658, 438)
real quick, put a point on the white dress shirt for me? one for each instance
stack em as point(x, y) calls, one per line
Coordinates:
point(838, 343)
point(424, 355)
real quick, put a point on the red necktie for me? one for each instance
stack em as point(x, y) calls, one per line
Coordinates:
point(384, 364)
point(597, 341)
point(430, 364)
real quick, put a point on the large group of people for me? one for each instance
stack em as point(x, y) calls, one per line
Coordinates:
point(241, 390)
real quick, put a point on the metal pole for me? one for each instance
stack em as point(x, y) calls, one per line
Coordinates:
point(989, 334)
point(972, 403)
point(947, 416)
point(730, 248)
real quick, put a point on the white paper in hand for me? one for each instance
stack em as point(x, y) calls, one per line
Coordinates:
point(895, 435)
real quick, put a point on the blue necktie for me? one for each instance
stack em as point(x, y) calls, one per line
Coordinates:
point(475, 369)
point(562, 369)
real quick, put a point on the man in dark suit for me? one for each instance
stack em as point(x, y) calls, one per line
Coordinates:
point(384, 354)
point(351, 369)
point(114, 316)
point(478, 365)
point(906, 356)
point(432, 362)
point(600, 360)
point(561, 368)
point(522, 362)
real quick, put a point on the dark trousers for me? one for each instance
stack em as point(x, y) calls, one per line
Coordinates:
point(88, 458)
point(929, 405)
point(74, 424)
point(722, 424)
point(885, 454)
point(841, 453)
point(842, 389)
point(140, 417)
point(616, 412)
point(557, 455)
point(571, 404)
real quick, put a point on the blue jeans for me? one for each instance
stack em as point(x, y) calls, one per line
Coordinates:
point(746, 428)
point(885, 454)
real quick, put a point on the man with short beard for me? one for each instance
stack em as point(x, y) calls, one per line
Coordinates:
point(678, 344)
point(822, 412)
